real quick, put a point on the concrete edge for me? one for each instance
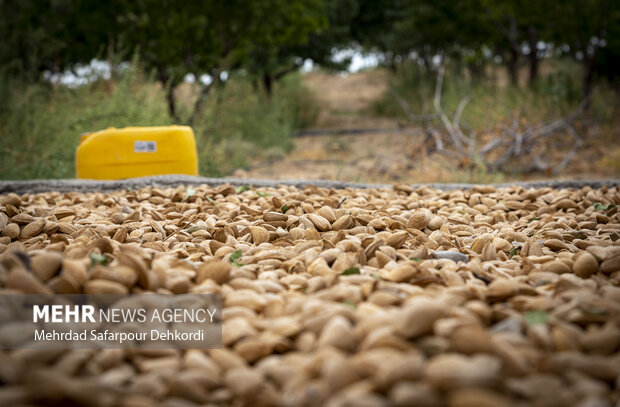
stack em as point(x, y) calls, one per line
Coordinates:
point(80, 185)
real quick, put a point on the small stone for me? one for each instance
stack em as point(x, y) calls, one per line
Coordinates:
point(450, 255)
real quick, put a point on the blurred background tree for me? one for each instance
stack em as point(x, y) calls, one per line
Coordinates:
point(268, 39)
point(326, 27)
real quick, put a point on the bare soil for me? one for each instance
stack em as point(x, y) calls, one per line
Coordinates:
point(398, 157)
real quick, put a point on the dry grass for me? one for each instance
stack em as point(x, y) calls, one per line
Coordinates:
point(346, 102)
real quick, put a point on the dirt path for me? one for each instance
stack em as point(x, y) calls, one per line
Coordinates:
point(346, 103)
point(366, 158)
point(346, 100)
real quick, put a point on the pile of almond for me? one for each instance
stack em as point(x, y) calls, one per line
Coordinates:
point(354, 297)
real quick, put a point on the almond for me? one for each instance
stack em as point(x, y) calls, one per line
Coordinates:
point(32, 229)
point(320, 222)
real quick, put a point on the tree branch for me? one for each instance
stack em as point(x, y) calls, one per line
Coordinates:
point(408, 113)
point(202, 96)
point(437, 104)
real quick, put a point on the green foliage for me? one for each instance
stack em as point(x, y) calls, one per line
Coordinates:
point(173, 38)
point(98, 259)
point(350, 304)
point(272, 37)
point(350, 271)
point(46, 122)
point(193, 228)
point(300, 101)
point(372, 26)
point(40, 35)
point(239, 113)
point(600, 207)
point(43, 121)
point(177, 37)
point(325, 25)
point(234, 257)
point(439, 27)
point(492, 104)
point(238, 119)
point(536, 317)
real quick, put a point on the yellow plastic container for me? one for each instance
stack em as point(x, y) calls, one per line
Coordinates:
point(136, 152)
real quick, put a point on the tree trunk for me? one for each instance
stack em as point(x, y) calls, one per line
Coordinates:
point(476, 70)
point(427, 63)
point(268, 84)
point(533, 68)
point(512, 63)
point(164, 78)
point(586, 83)
point(172, 110)
point(589, 63)
point(391, 62)
point(532, 41)
point(515, 51)
point(270, 78)
point(202, 96)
